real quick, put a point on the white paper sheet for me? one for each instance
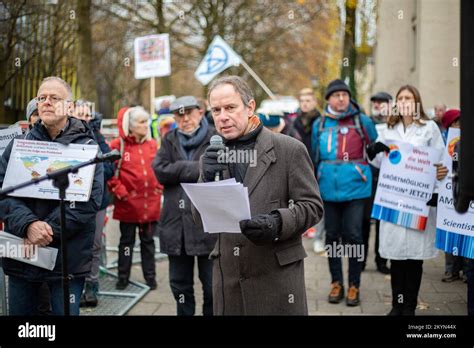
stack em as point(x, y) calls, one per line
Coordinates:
point(222, 204)
point(10, 246)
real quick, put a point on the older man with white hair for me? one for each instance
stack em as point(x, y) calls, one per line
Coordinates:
point(37, 221)
point(184, 242)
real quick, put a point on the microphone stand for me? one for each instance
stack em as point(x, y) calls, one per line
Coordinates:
point(61, 181)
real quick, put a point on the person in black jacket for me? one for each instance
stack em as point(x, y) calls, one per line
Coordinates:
point(177, 162)
point(37, 220)
point(84, 111)
point(305, 117)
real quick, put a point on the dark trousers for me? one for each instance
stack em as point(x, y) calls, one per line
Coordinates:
point(181, 273)
point(147, 249)
point(343, 222)
point(44, 300)
point(366, 224)
point(406, 281)
point(379, 260)
point(24, 296)
point(454, 264)
point(470, 286)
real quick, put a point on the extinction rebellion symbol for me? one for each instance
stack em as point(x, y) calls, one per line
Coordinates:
point(216, 59)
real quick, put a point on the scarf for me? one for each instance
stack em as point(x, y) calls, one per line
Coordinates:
point(352, 110)
point(246, 143)
point(189, 142)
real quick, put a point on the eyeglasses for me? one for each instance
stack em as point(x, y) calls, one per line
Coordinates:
point(54, 99)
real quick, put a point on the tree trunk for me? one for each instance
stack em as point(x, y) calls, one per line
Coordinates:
point(85, 69)
point(3, 86)
point(165, 81)
point(349, 50)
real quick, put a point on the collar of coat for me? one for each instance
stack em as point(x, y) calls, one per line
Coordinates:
point(264, 147)
point(74, 130)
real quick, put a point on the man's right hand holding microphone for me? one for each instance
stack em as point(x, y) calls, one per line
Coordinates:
point(212, 168)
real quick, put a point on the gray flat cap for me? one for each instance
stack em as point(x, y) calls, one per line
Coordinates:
point(182, 103)
point(382, 96)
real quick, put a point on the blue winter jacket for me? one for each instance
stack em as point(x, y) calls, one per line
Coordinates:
point(338, 149)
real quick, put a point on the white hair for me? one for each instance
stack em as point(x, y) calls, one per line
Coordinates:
point(61, 81)
point(137, 113)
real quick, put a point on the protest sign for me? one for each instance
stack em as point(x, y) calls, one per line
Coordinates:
point(406, 182)
point(152, 56)
point(6, 135)
point(31, 159)
point(454, 231)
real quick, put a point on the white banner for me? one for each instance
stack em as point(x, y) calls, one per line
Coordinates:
point(219, 56)
point(31, 159)
point(406, 183)
point(152, 56)
point(447, 218)
point(6, 135)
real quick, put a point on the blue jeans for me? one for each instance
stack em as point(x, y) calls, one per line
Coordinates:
point(343, 222)
point(23, 296)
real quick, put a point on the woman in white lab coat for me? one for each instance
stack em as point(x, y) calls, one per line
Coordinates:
point(406, 247)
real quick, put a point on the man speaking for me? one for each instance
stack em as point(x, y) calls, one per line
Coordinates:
point(260, 272)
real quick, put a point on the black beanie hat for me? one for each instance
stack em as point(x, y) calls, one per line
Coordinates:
point(335, 86)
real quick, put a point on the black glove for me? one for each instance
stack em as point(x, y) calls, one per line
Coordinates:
point(433, 202)
point(375, 148)
point(263, 228)
point(211, 164)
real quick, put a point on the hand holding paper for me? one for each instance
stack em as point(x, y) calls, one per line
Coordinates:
point(14, 247)
point(40, 233)
point(222, 204)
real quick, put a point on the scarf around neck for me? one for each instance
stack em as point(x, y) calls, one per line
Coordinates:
point(189, 142)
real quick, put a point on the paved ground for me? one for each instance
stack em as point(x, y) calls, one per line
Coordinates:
point(436, 297)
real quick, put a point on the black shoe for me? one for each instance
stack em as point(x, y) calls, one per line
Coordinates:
point(396, 311)
point(121, 284)
point(89, 297)
point(382, 268)
point(451, 277)
point(152, 284)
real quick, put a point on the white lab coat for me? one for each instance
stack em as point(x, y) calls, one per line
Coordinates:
point(398, 242)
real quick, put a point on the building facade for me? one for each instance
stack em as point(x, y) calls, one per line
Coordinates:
point(418, 43)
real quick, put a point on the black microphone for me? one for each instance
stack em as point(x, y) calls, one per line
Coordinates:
point(217, 140)
point(111, 156)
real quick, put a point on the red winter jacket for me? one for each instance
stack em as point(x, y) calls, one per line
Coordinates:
point(136, 189)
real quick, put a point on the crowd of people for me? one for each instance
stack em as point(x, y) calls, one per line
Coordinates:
point(317, 170)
